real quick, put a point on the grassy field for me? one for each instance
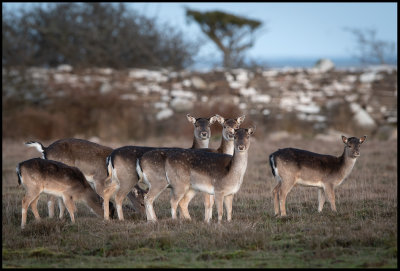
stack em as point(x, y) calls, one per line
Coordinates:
point(363, 233)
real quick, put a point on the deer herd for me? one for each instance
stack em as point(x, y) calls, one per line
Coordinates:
point(73, 170)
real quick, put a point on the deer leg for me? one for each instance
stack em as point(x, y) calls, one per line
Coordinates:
point(69, 204)
point(101, 183)
point(50, 206)
point(282, 194)
point(275, 193)
point(184, 203)
point(34, 208)
point(157, 186)
point(177, 193)
point(150, 214)
point(208, 205)
point(109, 191)
point(219, 201)
point(61, 206)
point(321, 199)
point(125, 187)
point(228, 206)
point(119, 198)
point(26, 201)
point(330, 194)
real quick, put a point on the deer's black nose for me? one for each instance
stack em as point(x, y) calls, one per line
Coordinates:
point(241, 147)
point(203, 134)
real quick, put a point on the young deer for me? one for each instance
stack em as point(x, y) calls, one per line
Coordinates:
point(293, 166)
point(152, 164)
point(88, 156)
point(121, 164)
point(217, 174)
point(51, 177)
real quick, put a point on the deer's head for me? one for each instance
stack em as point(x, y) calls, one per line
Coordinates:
point(352, 145)
point(242, 138)
point(229, 126)
point(202, 129)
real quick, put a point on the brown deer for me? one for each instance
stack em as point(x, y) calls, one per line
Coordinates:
point(152, 164)
point(121, 164)
point(217, 174)
point(89, 157)
point(293, 166)
point(60, 180)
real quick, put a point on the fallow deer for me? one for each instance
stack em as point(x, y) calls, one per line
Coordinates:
point(217, 174)
point(294, 166)
point(60, 180)
point(88, 156)
point(152, 164)
point(121, 164)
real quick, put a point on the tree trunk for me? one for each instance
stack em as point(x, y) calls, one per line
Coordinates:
point(227, 59)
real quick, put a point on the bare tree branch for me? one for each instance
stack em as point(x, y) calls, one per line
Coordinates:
point(370, 49)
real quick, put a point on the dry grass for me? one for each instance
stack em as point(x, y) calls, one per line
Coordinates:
point(362, 234)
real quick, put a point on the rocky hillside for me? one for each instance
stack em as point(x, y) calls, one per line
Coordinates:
point(303, 101)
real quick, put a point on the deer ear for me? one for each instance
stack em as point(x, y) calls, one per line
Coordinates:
point(251, 130)
point(213, 119)
point(362, 139)
point(344, 139)
point(239, 120)
point(220, 119)
point(191, 119)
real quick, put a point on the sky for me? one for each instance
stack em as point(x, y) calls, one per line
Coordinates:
point(290, 30)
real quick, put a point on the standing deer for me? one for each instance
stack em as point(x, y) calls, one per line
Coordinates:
point(121, 164)
point(217, 174)
point(88, 156)
point(293, 166)
point(152, 164)
point(58, 179)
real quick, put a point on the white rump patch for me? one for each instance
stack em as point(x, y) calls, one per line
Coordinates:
point(166, 175)
point(277, 177)
point(146, 181)
point(19, 174)
point(114, 176)
point(37, 146)
point(139, 170)
point(142, 175)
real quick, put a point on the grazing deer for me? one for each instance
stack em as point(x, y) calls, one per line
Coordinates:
point(121, 164)
point(152, 164)
point(217, 174)
point(51, 177)
point(88, 156)
point(293, 166)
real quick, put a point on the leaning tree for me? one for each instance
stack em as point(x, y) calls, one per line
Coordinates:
point(232, 34)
